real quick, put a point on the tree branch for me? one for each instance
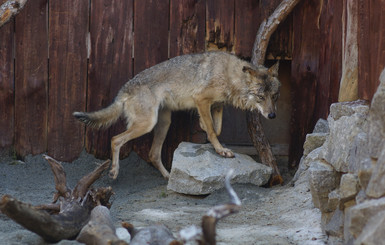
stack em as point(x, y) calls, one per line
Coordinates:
point(254, 125)
point(9, 9)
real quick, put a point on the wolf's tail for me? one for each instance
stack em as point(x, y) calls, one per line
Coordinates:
point(103, 118)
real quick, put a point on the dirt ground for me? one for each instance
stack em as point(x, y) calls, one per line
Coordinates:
point(279, 215)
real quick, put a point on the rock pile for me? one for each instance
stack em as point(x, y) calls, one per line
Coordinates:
point(344, 160)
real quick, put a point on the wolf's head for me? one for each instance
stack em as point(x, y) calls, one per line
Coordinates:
point(263, 89)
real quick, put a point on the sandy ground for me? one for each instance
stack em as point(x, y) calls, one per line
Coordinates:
point(280, 215)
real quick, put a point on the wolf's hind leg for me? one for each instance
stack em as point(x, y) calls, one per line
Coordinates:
point(217, 113)
point(139, 127)
point(160, 133)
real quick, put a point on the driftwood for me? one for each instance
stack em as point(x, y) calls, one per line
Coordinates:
point(9, 9)
point(203, 235)
point(63, 220)
point(100, 229)
point(254, 125)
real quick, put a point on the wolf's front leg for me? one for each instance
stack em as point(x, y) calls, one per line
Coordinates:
point(204, 110)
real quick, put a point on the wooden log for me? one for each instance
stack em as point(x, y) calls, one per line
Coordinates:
point(68, 28)
point(64, 221)
point(100, 230)
point(51, 228)
point(31, 80)
point(110, 66)
point(7, 107)
point(254, 125)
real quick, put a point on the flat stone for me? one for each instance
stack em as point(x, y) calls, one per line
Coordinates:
point(322, 179)
point(361, 213)
point(198, 170)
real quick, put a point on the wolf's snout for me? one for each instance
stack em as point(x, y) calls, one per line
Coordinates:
point(271, 115)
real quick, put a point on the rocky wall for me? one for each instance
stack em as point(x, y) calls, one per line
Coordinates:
point(344, 161)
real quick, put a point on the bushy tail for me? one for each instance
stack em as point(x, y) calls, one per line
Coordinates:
point(103, 118)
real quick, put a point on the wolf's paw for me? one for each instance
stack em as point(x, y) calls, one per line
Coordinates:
point(225, 153)
point(113, 173)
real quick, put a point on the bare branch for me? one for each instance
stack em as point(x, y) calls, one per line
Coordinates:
point(59, 177)
point(268, 27)
point(9, 9)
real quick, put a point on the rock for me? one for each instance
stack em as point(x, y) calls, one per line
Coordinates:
point(334, 200)
point(198, 170)
point(361, 213)
point(358, 152)
point(348, 187)
point(322, 126)
point(377, 120)
point(365, 172)
point(335, 227)
point(305, 163)
point(346, 120)
point(322, 179)
point(313, 141)
point(374, 231)
point(376, 186)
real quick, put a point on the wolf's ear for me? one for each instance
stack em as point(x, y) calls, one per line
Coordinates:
point(274, 69)
point(249, 70)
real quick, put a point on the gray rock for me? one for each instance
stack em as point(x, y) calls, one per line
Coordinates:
point(358, 152)
point(313, 141)
point(365, 171)
point(376, 186)
point(198, 170)
point(322, 179)
point(377, 120)
point(322, 126)
point(373, 232)
point(334, 200)
point(360, 214)
point(305, 163)
point(348, 187)
point(335, 227)
point(346, 120)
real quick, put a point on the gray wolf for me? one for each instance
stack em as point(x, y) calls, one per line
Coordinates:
point(204, 82)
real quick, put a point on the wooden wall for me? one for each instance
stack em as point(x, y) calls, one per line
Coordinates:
point(58, 57)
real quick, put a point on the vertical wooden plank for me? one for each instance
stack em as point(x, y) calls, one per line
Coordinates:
point(31, 79)
point(151, 21)
point(110, 65)
point(187, 35)
point(151, 33)
point(68, 28)
point(7, 108)
point(330, 58)
point(187, 26)
point(305, 66)
point(247, 21)
point(371, 44)
point(220, 24)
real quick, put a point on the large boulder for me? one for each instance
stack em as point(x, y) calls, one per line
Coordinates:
point(198, 170)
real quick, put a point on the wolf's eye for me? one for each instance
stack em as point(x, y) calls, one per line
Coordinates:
point(260, 97)
point(275, 96)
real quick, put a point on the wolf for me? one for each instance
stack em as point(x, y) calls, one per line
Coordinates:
point(204, 82)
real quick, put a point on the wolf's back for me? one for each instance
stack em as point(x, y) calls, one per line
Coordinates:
point(102, 118)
